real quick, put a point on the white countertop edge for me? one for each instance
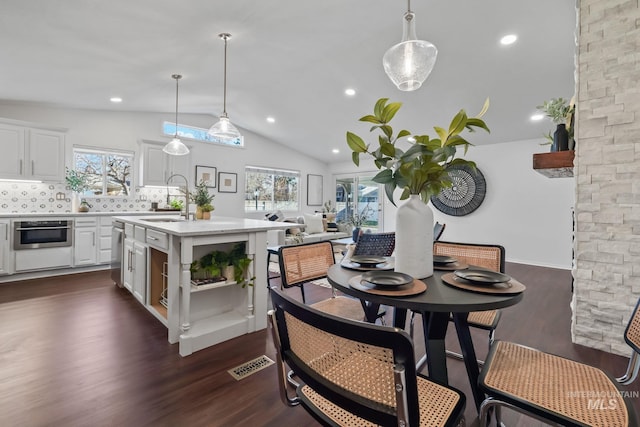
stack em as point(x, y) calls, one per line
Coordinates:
point(216, 225)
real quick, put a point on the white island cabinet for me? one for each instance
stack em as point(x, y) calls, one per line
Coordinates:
point(199, 317)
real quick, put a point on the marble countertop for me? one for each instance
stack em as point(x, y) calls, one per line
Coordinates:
point(27, 215)
point(216, 225)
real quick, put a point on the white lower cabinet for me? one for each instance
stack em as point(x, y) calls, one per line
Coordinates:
point(5, 267)
point(135, 269)
point(85, 241)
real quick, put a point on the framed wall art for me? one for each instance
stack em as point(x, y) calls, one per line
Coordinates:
point(227, 182)
point(314, 190)
point(207, 174)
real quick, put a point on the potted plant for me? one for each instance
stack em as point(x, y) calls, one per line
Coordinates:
point(420, 171)
point(357, 220)
point(329, 211)
point(202, 199)
point(560, 111)
point(77, 183)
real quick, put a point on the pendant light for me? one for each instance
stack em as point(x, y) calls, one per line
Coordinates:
point(409, 63)
point(176, 147)
point(224, 130)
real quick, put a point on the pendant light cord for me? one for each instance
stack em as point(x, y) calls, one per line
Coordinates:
point(225, 37)
point(176, 77)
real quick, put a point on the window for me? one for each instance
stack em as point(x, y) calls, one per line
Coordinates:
point(271, 189)
point(107, 172)
point(197, 134)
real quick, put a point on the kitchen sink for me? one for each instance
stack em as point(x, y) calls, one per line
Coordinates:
point(163, 219)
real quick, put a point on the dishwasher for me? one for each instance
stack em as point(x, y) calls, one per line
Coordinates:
point(117, 241)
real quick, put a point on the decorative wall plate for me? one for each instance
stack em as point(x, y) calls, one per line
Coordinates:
point(466, 193)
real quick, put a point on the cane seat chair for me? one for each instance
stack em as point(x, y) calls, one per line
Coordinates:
point(632, 337)
point(555, 389)
point(301, 264)
point(491, 257)
point(355, 373)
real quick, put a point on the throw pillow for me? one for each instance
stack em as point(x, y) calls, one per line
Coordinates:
point(313, 223)
point(275, 216)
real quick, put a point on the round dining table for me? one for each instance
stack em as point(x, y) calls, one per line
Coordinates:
point(437, 304)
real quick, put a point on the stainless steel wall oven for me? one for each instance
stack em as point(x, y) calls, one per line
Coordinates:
point(42, 234)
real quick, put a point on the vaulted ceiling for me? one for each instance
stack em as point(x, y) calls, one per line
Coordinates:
point(291, 60)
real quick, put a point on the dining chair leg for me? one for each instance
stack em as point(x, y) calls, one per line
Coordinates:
point(632, 370)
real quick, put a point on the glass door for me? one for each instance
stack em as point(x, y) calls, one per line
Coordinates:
point(359, 195)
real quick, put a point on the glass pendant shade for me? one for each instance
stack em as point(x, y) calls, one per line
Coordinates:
point(409, 63)
point(224, 130)
point(176, 148)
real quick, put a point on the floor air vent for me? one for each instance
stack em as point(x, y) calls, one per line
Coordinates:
point(250, 367)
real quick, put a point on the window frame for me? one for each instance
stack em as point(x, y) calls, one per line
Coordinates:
point(273, 171)
point(106, 152)
point(168, 129)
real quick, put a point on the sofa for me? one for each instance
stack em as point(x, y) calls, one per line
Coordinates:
point(306, 228)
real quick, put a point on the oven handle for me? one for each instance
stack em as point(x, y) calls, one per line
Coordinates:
point(67, 227)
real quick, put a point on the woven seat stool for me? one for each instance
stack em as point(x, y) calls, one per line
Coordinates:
point(550, 388)
point(355, 373)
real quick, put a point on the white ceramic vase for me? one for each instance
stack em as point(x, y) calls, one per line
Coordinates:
point(75, 201)
point(414, 238)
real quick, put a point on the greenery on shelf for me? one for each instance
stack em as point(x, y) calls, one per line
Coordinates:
point(423, 168)
point(328, 207)
point(559, 110)
point(213, 264)
point(76, 181)
point(202, 198)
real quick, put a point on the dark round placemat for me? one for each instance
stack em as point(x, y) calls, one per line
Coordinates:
point(414, 288)
point(512, 287)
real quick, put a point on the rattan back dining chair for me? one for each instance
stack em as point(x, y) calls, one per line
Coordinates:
point(354, 373)
point(376, 244)
point(555, 389)
point(301, 264)
point(438, 229)
point(491, 257)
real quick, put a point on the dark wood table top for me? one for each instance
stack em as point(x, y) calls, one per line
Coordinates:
point(439, 297)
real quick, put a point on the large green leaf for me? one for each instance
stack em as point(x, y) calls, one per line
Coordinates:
point(377, 110)
point(356, 143)
point(387, 130)
point(479, 123)
point(387, 149)
point(371, 119)
point(389, 188)
point(441, 133)
point(458, 123)
point(383, 177)
point(390, 111)
point(355, 156)
point(403, 133)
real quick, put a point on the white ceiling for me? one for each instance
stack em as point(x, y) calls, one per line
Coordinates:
point(291, 60)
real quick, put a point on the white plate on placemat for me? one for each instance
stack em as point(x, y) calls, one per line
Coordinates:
point(368, 260)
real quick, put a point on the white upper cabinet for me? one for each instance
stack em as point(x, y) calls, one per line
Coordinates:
point(156, 166)
point(30, 153)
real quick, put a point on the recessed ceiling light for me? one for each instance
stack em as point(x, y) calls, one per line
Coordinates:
point(350, 92)
point(508, 39)
point(537, 117)
point(115, 99)
point(271, 120)
point(335, 151)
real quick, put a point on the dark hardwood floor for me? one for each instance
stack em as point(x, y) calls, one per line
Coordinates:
point(78, 351)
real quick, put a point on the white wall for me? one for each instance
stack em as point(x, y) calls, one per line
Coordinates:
point(123, 130)
point(526, 212)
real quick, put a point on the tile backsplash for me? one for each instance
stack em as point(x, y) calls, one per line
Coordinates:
point(33, 197)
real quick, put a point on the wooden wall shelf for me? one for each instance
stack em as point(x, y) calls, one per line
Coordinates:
point(556, 164)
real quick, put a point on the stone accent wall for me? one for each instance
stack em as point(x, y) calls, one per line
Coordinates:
point(607, 167)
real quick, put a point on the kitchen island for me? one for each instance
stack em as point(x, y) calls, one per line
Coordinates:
point(158, 254)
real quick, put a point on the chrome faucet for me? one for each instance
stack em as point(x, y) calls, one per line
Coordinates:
point(186, 193)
